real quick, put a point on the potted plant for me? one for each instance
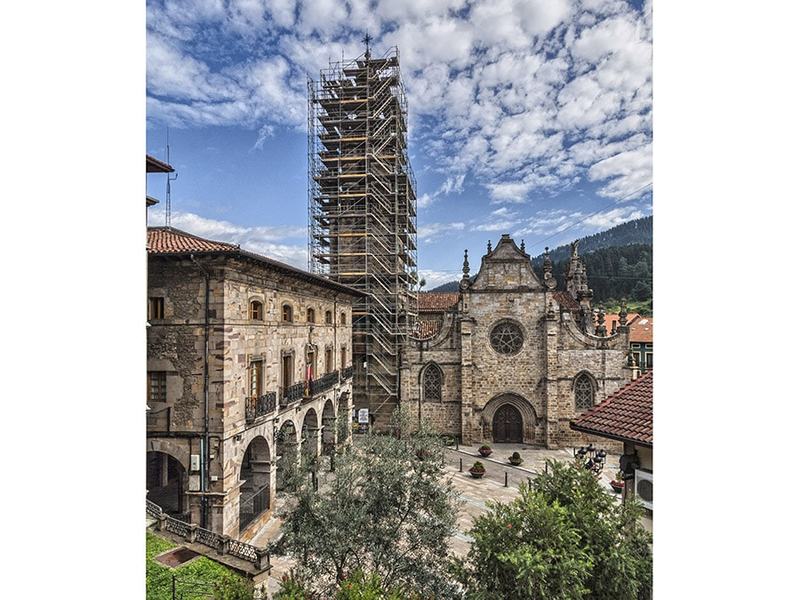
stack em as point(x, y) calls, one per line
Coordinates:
point(477, 470)
point(485, 450)
point(618, 484)
point(515, 459)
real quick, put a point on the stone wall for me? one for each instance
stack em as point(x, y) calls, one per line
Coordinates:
point(176, 345)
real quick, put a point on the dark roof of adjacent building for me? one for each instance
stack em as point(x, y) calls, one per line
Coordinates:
point(436, 301)
point(168, 241)
point(566, 300)
point(153, 165)
point(150, 201)
point(626, 415)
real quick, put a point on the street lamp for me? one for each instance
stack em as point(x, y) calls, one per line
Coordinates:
point(593, 459)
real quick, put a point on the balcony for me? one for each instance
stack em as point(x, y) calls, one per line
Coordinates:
point(324, 383)
point(291, 394)
point(347, 373)
point(261, 406)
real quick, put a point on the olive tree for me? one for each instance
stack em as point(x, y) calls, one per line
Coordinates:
point(387, 510)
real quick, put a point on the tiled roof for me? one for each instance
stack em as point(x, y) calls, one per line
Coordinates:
point(166, 240)
point(153, 165)
point(566, 300)
point(426, 328)
point(437, 301)
point(641, 327)
point(625, 415)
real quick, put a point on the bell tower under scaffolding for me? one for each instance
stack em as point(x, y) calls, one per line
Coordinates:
point(362, 214)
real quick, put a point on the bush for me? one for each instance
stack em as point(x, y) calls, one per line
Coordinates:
point(564, 538)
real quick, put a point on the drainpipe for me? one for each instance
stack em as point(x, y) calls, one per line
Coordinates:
point(204, 460)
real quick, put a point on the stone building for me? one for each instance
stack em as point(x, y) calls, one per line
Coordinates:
point(249, 367)
point(509, 358)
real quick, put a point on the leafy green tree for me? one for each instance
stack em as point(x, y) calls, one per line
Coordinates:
point(387, 509)
point(564, 538)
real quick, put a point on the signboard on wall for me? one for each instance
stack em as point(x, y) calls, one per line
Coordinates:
point(363, 420)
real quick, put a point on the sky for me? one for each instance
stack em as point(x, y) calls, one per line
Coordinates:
point(527, 117)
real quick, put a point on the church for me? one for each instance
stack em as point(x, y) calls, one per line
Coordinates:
point(511, 358)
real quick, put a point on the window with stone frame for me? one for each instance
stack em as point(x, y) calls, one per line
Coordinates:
point(343, 357)
point(286, 313)
point(506, 338)
point(328, 360)
point(155, 308)
point(343, 318)
point(432, 384)
point(328, 317)
point(256, 310)
point(157, 386)
point(311, 316)
point(584, 392)
point(256, 377)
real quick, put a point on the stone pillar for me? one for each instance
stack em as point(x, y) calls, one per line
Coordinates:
point(262, 559)
point(551, 414)
point(467, 394)
point(164, 470)
point(313, 442)
point(329, 435)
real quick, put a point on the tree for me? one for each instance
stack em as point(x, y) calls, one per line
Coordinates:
point(387, 509)
point(566, 538)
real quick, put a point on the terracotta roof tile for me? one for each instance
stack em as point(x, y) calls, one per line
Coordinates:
point(565, 300)
point(625, 415)
point(166, 240)
point(437, 301)
point(641, 327)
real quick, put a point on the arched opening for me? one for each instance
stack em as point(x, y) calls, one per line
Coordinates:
point(328, 429)
point(584, 392)
point(507, 425)
point(166, 484)
point(254, 493)
point(286, 449)
point(310, 437)
point(432, 383)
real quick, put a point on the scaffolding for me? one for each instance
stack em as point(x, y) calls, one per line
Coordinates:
point(362, 213)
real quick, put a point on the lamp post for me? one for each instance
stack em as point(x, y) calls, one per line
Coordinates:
point(593, 459)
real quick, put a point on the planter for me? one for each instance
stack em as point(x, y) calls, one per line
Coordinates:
point(476, 474)
point(617, 486)
point(515, 461)
point(484, 451)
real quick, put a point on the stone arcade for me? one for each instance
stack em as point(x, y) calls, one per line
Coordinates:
point(508, 358)
point(249, 368)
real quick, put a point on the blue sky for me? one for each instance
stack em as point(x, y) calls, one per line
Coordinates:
point(526, 116)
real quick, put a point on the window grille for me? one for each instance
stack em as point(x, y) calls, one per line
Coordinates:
point(584, 392)
point(158, 386)
point(506, 338)
point(432, 384)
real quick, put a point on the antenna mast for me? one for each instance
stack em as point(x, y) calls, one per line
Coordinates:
point(168, 207)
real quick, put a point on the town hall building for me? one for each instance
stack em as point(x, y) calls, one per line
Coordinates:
point(509, 358)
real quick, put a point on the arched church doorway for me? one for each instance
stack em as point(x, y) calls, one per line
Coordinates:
point(507, 425)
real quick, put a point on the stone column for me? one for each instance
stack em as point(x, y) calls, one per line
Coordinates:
point(329, 435)
point(467, 397)
point(551, 414)
point(313, 442)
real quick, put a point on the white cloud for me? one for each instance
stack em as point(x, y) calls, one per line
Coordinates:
point(278, 242)
point(615, 216)
point(436, 278)
point(431, 230)
point(521, 95)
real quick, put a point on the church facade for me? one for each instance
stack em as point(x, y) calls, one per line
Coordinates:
point(510, 358)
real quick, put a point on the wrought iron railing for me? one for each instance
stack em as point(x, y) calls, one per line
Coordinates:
point(292, 393)
point(252, 506)
point(347, 373)
point(324, 383)
point(259, 407)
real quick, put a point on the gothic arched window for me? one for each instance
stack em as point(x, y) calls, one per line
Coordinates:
point(432, 384)
point(506, 338)
point(584, 392)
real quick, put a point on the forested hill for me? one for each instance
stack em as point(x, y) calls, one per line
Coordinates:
point(619, 262)
point(638, 231)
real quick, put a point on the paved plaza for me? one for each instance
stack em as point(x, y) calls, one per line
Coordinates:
point(473, 493)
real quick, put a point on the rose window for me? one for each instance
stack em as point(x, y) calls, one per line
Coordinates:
point(506, 338)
